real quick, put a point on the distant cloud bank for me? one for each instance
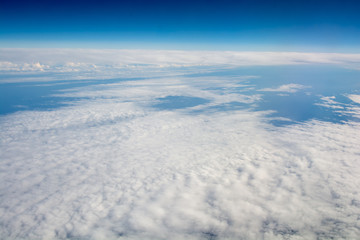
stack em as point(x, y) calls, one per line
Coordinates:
point(115, 62)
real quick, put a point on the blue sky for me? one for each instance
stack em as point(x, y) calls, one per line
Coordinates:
point(332, 26)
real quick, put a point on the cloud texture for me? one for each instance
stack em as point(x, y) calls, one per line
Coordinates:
point(114, 167)
point(109, 63)
point(354, 98)
point(288, 88)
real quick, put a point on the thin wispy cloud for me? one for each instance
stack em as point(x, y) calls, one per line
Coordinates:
point(354, 98)
point(288, 88)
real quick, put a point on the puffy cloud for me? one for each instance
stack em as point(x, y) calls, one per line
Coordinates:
point(113, 167)
point(24, 67)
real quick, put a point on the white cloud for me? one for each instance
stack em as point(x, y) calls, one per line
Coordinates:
point(111, 167)
point(290, 88)
point(354, 98)
point(342, 108)
point(173, 58)
point(8, 66)
point(114, 63)
point(329, 102)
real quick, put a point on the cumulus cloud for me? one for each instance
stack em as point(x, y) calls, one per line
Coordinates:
point(113, 167)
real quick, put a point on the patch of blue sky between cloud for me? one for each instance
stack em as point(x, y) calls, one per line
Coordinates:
point(112, 166)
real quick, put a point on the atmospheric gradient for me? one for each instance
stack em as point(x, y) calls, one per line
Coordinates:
point(180, 120)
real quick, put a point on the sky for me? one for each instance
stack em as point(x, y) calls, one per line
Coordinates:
point(179, 119)
point(312, 26)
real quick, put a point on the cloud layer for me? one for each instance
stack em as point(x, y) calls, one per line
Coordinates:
point(114, 63)
point(114, 167)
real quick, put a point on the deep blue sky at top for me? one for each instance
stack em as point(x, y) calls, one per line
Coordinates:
point(332, 26)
